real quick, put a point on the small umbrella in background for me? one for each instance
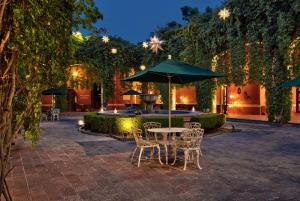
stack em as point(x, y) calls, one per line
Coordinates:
point(53, 92)
point(171, 71)
point(292, 83)
point(131, 92)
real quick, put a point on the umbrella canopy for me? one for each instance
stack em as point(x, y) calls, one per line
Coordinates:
point(131, 92)
point(292, 83)
point(171, 71)
point(178, 72)
point(54, 91)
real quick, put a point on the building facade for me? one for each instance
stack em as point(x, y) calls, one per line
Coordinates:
point(245, 101)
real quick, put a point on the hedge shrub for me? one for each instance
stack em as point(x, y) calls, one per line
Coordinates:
point(210, 121)
point(118, 124)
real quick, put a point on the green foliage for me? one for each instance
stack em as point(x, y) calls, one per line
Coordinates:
point(210, 121)
point(61, 103)
point(40, 36)
point(123, 124)
point(103, 65)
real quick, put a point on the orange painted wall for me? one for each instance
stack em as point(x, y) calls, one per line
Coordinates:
point(244, 100)
point(186, 95)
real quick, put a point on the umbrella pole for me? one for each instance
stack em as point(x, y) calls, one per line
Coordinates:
point(169, 77)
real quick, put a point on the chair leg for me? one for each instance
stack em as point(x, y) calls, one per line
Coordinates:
point(141, 151)
point(201, 153)
point(133, 154)
point(158, 150)
point(175, 155)
point(186, 156)
point(151, 153)
point(166, 153)
point(198, 156)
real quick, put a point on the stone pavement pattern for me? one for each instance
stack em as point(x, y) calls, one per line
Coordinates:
point(260, 163)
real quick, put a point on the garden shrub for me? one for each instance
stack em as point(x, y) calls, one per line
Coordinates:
point(118, 124)
point(210, 121)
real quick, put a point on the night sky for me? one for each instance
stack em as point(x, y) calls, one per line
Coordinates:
point(134, 20)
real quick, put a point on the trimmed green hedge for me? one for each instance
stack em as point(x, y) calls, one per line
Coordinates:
point(123, 124)
point(118, 124)
point(210, 121)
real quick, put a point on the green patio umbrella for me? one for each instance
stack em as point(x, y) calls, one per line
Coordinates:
point(53, 92)
point(292, 83)
point(171, 71)
point(131, 92)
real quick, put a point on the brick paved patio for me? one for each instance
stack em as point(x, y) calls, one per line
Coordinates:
point(259, 163)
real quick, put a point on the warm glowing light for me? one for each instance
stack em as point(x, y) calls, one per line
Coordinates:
point(81, 123)
point(142, 67)
point(105, 39)
point(156, 43)
point(101, 110)
point(231, 96)
point(224, 13)
point(235, 103)
point(114, 51)
point(75, 74)
point(115, 111)
point(193, 109)
point(169, 57)
point(145, 45)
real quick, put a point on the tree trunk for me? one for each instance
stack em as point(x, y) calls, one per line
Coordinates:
point(8, 60)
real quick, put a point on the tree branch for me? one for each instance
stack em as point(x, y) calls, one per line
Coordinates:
point(4, 40)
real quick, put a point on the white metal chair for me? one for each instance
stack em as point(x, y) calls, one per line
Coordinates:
point(148, 125)
point(193, 125)
point(55, 114)
point(190, 142)
point(143, 144)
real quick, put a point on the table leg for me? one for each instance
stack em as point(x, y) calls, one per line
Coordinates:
point(166, 152)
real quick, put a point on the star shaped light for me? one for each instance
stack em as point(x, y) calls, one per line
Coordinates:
point(105, 39)
point(145, 45)
point(156, 43)
point(224, 13)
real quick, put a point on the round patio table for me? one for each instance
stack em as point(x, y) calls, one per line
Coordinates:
point(165, 132)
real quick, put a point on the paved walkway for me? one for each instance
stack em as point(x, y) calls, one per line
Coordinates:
point(259, 163)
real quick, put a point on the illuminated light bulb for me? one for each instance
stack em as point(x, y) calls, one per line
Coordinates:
point(224, 13)
point(105, 39)
point(145, 45)
point(235, 103)
point(114, 51)
point(231, 96)
point(115, 111)
point(169, 57)
point(193, 109)
point(75, 74)
point(142, 67)
point(101, 110)
point(156, 43)
point(80, 123)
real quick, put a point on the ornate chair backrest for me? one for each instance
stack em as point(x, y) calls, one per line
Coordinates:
point(194, 125)
point(193, 137)
point(137, 134)
point(149, 125)
point(56, 111)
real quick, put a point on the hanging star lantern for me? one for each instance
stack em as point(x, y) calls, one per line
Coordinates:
point(156, 43)
point(224, 13)
point(145, 45)
point(105, 39)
